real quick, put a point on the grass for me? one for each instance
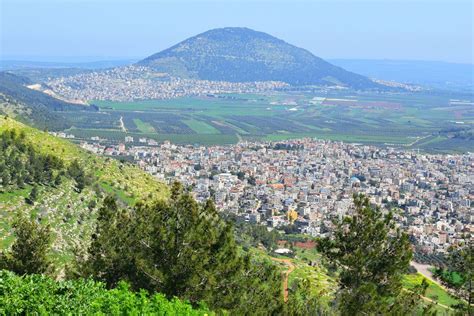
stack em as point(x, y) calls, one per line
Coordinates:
point(143, 126)
point(140, 184)
point(201, 127)
point(65, 209)
point(434, 291)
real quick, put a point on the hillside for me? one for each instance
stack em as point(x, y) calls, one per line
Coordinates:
point(34, 107)
point(243, 55)
point(70, 212)
point(435, 74)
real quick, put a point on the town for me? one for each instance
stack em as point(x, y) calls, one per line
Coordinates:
point(303, 185)
point(142, 83)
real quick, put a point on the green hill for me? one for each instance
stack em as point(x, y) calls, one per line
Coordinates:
point(70, 212)
point(238, 54)
point(34, 107)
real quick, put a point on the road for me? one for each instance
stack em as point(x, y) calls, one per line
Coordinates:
point(424, 269)
point(286, 274)
point(122, 124)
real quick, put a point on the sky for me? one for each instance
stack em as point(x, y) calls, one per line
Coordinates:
point(86, 30)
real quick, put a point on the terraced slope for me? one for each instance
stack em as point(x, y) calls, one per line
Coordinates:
point(72, 213)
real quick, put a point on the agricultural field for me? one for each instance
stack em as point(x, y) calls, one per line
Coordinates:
point(403, 120)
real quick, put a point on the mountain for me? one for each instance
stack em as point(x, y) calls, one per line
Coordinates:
point(436, 74)
point(34, 107)
point(240, 55)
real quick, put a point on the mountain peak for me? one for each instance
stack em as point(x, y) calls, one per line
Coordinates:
point(240, 54)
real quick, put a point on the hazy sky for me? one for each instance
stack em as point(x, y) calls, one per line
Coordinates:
point(106, 29)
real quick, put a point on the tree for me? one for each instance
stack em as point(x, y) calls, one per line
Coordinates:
point(33, 195)
point(303, 300)
point(29, 253)
point(372, 255)
point(107, 260)
point(461, 260)
point(180, 248)
point(77, 173)
point(58, 180)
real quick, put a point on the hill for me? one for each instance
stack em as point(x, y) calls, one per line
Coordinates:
point(242, 55)
point(70, 212)
point(435, 74)
point(34, 107)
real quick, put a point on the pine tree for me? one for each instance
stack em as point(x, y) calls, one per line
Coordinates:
point(33, 195)
point(29, 253)
point(180, 248)
point(108, 250)
point(373, 255)
point(461, 260)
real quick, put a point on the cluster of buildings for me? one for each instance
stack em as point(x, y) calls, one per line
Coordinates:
point(306, 184)
point(142, 83)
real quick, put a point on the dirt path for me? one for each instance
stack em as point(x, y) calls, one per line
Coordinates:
point(436, 303)
point(122, 124)
point(424, 270)
point(286, 274)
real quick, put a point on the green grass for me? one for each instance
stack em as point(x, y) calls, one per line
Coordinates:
point(143, 126)
point(201, 127)
point(65, 209)
point(434, 291)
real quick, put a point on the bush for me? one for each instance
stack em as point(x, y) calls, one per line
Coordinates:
point(41, 295)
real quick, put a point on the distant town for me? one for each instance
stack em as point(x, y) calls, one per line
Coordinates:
point(142, 83)
point(303, 185)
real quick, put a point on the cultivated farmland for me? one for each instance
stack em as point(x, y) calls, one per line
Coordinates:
point(407, 120)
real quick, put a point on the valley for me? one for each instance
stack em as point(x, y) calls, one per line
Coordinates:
point(411, 121)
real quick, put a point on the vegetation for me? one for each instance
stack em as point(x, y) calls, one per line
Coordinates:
point(372, 257)
point(408, 120)
point(249, 235)
point(41, 295)
point(179, 248)
point(461, 265)
point(433, 292)
point(249, 58)
point(69, 202)
point(20, 164)
point(30, 251)
point(34, 107)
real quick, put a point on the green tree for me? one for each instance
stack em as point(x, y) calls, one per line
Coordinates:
point(302, 299)
point(33, 195)
point(461, 260)
point(29, 252)
point(372, 255)
point(180, 248)
point(77, 173)
point(107, 260)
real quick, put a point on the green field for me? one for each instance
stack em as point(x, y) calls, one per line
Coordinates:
point(434, 291)
point(201, 127)
point(404, 120)
point(143, 127)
